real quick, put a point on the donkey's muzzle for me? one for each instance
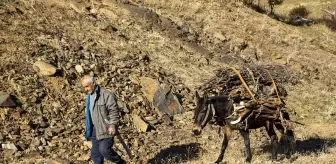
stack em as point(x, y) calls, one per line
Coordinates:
point(197, 131)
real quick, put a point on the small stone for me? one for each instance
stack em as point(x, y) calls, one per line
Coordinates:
point(44, 68)
point(150, 118)
point(86, 62)
point(141, 125)
point(154, 122)
point(9, 146)
point(56, 131)
point(126, 109)
point(35, 142)
point(140, 99)
point(84, 157)
point(136, 142)
point(68, 66)
point(44, 124)
point(43, 141)
point(25, 127)
point(34, 154)
point(219, 36)
point(11, 9)
point(79, 68)
point(16, 115)
point(145, 58)
point(87, 144)
point(56, 105)
point(93, 11)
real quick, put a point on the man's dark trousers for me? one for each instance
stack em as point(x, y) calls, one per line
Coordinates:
point(103, 149)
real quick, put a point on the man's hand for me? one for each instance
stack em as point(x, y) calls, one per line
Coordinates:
point(112, 130)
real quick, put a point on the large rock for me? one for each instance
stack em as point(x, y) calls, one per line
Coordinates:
point(5, 100)
point(166, 102)
point(160, 96)
point(141, 125)
point(44, 68)
point(149, 87)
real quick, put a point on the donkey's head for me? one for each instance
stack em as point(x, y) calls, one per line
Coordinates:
point(203, 113)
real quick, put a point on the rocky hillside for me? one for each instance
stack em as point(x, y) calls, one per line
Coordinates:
point(46, 46)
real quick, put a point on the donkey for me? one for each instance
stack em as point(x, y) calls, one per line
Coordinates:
point(220, 108)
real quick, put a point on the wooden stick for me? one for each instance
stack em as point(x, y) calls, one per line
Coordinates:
point(275, 87)
point(331, 13)
point(244, 83)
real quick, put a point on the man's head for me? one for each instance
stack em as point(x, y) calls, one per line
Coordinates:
point(89, 84)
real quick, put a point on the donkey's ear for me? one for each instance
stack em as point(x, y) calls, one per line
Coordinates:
point(197, 95)
point(205, 95)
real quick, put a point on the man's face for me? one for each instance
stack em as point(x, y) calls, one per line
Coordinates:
point(89, 88)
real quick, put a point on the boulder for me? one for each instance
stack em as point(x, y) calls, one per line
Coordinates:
point(5, 100)
point(44, 68)
point(149, 87)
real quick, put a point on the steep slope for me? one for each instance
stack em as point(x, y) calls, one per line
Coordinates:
point(181, 43)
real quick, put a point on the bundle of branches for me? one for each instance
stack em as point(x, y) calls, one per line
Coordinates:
point(256, 90)
point(257, 77)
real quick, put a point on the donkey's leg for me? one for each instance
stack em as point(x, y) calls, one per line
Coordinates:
point(290, 142)
point(287, 139)
point(274, 139)
point(281, 129)
point(246, 135)
point(225, 142)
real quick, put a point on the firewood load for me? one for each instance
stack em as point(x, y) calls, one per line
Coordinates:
point(256, 91)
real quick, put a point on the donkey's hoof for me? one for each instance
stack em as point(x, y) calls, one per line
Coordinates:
point(274, 159)
point(220, 162)
point(288, 156)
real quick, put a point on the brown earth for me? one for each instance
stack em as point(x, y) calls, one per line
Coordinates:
point(181, 43)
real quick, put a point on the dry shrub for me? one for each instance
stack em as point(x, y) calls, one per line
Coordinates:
point(298, 16)
point(272, 3)
point(248, 2)
point(300, 11)
point(330, 20)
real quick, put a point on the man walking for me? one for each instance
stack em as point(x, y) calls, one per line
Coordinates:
point(102, 117)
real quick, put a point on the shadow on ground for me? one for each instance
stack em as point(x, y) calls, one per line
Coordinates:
point(314, 145)
point(307, 147)
point(177, 154)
